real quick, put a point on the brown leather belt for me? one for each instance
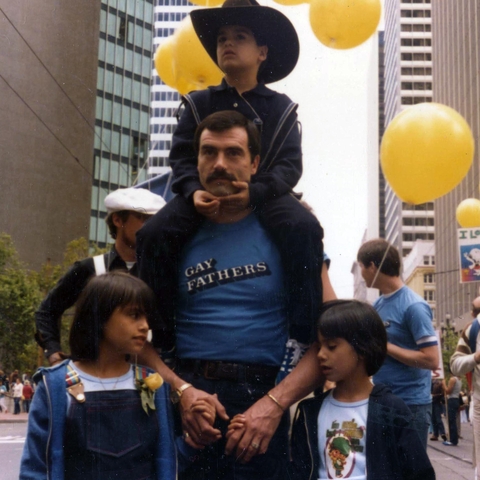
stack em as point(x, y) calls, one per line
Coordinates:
point(235, 372)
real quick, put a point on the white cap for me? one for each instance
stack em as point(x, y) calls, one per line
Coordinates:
point(136, 199)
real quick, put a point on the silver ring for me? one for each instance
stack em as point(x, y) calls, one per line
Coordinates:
point(254, 445)
point(185, 435)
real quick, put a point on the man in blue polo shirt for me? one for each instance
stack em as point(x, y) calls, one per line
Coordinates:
point(412, 345)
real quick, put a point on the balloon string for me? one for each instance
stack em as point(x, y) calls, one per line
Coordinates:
point(380, 266)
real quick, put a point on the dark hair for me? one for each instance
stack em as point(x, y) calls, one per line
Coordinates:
point(226, 120)
point(360, 325)
point(373, 251)
point(112, 228)
point(102, 295)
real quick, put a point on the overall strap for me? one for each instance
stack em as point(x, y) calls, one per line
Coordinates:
point(99, 263)
point(74, 384)
point(140, 372)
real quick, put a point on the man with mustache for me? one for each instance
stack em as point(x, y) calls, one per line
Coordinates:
point(231, 322)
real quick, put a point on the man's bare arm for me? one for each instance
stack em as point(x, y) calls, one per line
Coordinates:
point(263, 417)
point(427, 358)
point(199, 429)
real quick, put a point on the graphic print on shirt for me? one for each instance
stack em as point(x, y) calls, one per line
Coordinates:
point(204, 274)
point(340, 448)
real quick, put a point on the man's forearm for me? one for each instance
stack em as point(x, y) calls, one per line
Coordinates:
point(150, 358)
point(426, 358)
point(304, 378)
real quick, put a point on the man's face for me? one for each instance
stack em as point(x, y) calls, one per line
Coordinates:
point(237, 49)
point(223, 158)
point(127, 229)
point(368, 273)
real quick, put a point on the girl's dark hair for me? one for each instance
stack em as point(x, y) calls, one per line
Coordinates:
point(102, 295)
point(360, 325)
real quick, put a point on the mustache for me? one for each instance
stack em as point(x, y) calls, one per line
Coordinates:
point(221, 175)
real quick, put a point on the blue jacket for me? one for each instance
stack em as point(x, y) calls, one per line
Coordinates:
point(43, 452)
point(394, 451)
point(281, 152)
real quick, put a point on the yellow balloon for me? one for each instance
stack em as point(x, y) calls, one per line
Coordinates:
point(191, 60)
point(164, 62)
point(468, 213)
point(344, 24)
point(426, 151)
point(291, 2)
point(207, 3)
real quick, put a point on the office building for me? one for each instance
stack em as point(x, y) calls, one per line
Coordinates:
point(164, 100)
point(418, 272)
point(48, 60)
point(125, 56)
point(408, 81)
point(457, 84)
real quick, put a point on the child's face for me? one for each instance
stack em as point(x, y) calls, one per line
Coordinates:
point(237, 50)
point(338, 359)
point(125, 331)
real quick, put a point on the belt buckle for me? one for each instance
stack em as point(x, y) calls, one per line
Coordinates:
point(209, 370)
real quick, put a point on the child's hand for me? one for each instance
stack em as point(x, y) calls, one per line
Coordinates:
point(238, 201)
point(205, 203)
point(205, 408)
point(236, 423)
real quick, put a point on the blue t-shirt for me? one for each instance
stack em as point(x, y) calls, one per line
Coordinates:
point(231, 295)
point(408, 321)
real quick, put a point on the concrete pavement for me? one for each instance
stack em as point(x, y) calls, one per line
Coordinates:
point(463, 451)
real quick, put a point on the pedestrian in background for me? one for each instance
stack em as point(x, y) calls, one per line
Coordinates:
point(438, 402)
point(17, 395)
point(453, 404)
point(3, 392)
point(27, 396)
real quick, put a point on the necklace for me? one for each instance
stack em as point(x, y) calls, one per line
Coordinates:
point(103, 385)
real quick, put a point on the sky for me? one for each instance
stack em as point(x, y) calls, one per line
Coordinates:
point(339, 123)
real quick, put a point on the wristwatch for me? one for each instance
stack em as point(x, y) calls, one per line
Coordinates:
point(176, 395)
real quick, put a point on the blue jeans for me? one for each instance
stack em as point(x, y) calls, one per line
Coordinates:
point(422, 417)
point(453, 405)
point(438, 427)
point(212, 463)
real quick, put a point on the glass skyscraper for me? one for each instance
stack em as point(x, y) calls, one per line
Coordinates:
point(125, 55)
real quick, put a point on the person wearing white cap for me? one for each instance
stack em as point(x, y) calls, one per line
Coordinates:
point(127, 211)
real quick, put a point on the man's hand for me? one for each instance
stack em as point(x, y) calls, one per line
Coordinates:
point(205, 203)
point(238, 201)
point(56, 357)
point(196, 407)
point(260, 423)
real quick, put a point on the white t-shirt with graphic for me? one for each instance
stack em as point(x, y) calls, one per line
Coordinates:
point(342, 439)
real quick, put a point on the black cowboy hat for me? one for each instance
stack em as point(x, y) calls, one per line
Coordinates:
point(269, 26)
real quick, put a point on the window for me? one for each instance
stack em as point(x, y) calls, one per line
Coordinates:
point(428, 278)
point(122, 29)
point(429, 295)
point(407, 71)
point(407, 86)
point(407, 101)
point(406, 27)
point(406, 56)
point(406, 13)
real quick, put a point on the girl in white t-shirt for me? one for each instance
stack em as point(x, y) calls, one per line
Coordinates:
point(356, 430)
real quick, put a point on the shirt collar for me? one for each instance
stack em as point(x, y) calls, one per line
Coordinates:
point(260, 89)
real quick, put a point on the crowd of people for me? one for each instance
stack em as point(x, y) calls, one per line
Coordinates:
point(18, 387)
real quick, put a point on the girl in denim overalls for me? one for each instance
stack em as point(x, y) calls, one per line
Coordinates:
point(97, 416)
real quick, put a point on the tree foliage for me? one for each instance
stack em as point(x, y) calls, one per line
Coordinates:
point(21, 292)
point(19, 297)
